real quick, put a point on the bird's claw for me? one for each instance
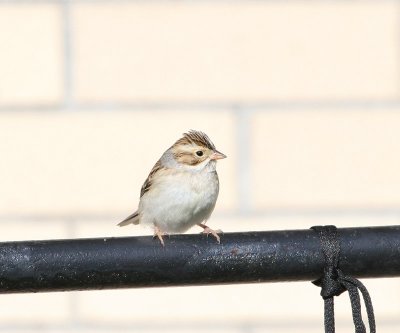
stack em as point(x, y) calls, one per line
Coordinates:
point(159, 234)
point(208, 231)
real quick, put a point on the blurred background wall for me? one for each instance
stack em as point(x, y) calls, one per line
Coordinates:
point(303, 97)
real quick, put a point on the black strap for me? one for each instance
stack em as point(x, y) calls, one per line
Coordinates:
point(334, 282)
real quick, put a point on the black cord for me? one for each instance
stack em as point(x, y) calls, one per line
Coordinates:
point(334, 282)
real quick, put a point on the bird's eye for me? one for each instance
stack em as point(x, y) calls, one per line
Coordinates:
point(199, 153)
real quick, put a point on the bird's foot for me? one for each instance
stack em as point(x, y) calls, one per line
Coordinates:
point(208, 231)
point(159, 234)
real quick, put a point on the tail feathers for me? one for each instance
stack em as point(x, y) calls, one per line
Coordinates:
point(134, 219)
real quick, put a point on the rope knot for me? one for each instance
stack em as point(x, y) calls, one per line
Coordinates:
point(330, 283)
point(334, 282)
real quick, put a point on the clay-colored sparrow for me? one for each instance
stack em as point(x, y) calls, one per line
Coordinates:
point(181, 189)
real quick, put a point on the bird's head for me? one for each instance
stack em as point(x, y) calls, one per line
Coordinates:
point(195, 150)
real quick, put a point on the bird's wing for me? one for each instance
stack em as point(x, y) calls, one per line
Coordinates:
point(148, 182)
point(134, 218)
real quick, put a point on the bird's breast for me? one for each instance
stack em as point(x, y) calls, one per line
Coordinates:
point(180, 200)
point(195, 190)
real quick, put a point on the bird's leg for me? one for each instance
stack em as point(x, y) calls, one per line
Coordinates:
point(208, 230)
point(158, 233)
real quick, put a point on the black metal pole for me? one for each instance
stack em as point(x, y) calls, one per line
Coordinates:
point(106, 263)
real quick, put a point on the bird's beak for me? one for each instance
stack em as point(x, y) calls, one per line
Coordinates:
point(217, 155)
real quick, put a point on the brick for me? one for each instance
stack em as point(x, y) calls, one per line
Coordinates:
point(44, 309)
point(236, 51)
point(235, 304)
point(96, 162)
point(35, 228)
point(31, 54)
point(106, 226)
point(334, 159)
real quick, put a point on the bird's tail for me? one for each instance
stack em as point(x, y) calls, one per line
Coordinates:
point(134, 219)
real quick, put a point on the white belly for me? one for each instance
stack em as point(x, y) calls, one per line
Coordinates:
point(178, 202)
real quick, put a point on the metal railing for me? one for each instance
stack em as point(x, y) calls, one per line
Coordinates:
point(132, 262)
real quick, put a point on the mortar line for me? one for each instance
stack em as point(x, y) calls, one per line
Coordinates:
point(323, 105)
point(68, 79)
point(243, 160)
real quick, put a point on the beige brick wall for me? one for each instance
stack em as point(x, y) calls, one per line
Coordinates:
point(236, 51)
point(326, 159)
point(96, 162)
point(303, 97)
point(31, 54)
